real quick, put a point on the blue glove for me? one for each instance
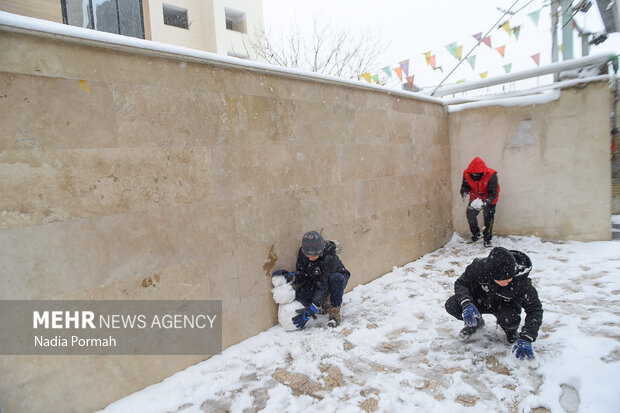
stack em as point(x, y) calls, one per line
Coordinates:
point(522, 349)
point(289, 276)
point(471, 315)
point(304, 315)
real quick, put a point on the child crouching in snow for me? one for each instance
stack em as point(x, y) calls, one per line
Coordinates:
point(499, 285)
point(321, 273)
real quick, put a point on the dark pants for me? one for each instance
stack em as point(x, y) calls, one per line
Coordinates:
point(508, 314)
point(488, 212)
point(336, 284)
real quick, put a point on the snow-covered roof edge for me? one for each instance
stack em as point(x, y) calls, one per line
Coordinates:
point(15, 23)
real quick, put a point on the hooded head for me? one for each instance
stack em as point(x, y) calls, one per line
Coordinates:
point(501, 264)
point(477, 166)
point(312, 243)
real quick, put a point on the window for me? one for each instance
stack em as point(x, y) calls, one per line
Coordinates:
point(112, 16)
point(235, 20)
point(175, 16)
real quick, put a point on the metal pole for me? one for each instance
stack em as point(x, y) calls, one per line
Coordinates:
point(585, 44)
point(554, 35)
point(567, 30)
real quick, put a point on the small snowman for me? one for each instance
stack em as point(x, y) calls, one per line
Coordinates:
point(284, 295)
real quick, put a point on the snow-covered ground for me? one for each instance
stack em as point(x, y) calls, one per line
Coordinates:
point(398, 350)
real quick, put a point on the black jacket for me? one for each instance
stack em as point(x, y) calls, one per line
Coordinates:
point(476, 283)
point(318, 272)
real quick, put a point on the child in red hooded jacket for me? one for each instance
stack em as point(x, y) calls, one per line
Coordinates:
point(481, 185)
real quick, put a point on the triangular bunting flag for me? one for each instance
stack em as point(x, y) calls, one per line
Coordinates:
point(516, 30)
point(535, 15)
point(366, 77)
point(536, 58)
point(484, 75)
point(501, 50)
point(399, 73)
point(410, 81)
point(428, 58)
point(508, 67)
point(433, 61)
point(459, 52)
point(375, 78)
point(452, 49)
point(478, 36)
point(460, 81)
point(405, 66)
point(387, 70)
point(506, 27)
point(487, 41)
point(472, 61)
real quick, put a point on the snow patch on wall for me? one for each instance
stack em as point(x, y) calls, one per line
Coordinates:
point(523, 136)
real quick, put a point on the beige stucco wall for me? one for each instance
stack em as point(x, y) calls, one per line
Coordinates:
point(552, 161)
point(201, 34)
point(124, 175)
point(40, 9)
point(207, 30)
point(230, 40)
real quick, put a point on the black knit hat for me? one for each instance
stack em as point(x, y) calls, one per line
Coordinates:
point(501, 264)
point(312, 243)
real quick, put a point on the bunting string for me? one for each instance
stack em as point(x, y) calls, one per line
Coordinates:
point(437, 61)
point(474, 48)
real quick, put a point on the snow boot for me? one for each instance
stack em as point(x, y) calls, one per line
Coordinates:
point(467, 332)
point(327, 305)
point(334, 317)
point(474, 238)
point(487, 243)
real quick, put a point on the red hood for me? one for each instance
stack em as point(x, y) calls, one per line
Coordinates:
point(477, 166)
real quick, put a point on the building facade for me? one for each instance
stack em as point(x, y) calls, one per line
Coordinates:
point(218, 26)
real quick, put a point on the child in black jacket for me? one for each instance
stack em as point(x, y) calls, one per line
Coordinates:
point(499, 285)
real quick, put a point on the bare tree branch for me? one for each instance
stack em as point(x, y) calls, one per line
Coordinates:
point(327, 50)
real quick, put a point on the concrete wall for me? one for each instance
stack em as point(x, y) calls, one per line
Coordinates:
point(124, 175)
point(40, 9)
point(552, 161)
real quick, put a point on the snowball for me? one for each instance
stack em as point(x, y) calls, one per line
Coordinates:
point(286, 312)
point(283, 294)
point(476, 203)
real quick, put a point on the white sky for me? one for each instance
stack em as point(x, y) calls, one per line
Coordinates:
point(410, 28)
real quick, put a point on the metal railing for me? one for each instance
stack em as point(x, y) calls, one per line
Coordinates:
point(595, 60)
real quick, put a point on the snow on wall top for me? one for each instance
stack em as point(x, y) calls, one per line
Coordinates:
point(44, 28)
